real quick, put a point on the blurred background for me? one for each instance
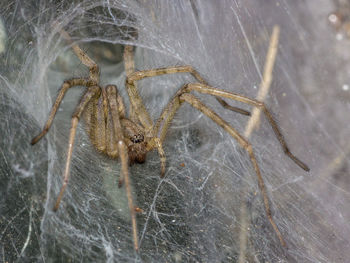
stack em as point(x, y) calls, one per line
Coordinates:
point(208, 208)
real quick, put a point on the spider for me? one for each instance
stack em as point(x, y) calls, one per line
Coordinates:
point(131, 138)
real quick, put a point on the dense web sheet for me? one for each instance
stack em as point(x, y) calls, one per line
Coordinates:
point(208, 208)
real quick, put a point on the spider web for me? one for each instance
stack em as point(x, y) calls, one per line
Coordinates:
point(208, 208)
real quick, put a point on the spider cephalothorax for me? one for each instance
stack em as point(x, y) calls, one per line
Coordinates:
point(135, 140)
point(115, 134)
point(99, 125)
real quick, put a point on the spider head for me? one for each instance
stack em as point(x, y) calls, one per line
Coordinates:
point(137, 138)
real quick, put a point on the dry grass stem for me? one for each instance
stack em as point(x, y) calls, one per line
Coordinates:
point(251, 125)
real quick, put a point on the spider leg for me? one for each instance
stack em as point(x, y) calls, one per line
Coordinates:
point(65, 86)
point(136, 100)
point(220, 100)
point(89, 94)
point(222, 93)
point(123, 154)
point(232, 108)
point(156, 143)
point(121, 106)
point(129, 66)
point(84, 58)
point(183, 96)
point(196, 103)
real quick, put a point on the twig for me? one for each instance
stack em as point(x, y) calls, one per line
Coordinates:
point(265, 82)
point(252, 124)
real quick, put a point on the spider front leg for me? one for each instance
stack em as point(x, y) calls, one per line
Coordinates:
point(94, 70)
point(129, 66)
point(136, 100)
point(92, 91)
point(65, 86)
point(123, 154)
point(92, 81)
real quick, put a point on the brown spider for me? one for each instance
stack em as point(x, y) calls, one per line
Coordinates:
point(116, 135)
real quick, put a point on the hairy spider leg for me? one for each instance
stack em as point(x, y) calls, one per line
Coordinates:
point(123, 154)
point(94, 76)
point(234, 96)
point(89, 94)
point(121, 106)
point(220, 100)
point(155, 142)
point(196, 103)
point(129, 65)
point(94, 71)
point(136, 100)
point(65, 86)
point(168, 115)
point(232, 108)
point(183, 95)
point(137, 108)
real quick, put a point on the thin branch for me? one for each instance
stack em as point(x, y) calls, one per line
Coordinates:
point(266, 81)
point(251, 125)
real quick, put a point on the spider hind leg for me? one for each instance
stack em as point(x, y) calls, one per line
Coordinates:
point(183, 95)
point(196, 103)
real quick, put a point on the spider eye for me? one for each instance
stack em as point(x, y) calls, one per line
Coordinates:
point(137, 138)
